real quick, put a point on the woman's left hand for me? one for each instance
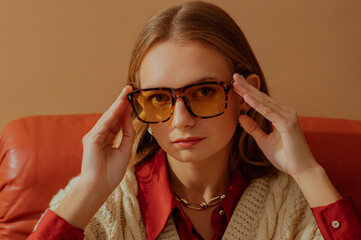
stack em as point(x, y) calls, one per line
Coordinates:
point(285, 147)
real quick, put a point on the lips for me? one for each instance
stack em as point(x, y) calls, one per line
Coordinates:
point(187, 142)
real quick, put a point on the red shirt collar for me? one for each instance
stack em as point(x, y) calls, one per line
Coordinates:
point(156, 200)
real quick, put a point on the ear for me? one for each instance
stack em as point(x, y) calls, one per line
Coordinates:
point(255, 81)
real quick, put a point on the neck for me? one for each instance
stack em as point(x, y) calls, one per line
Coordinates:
point(201, 180)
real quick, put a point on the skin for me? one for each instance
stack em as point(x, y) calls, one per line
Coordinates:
point(178, 65)
point(199, 172)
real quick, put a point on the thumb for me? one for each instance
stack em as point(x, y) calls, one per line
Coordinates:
point(252, 128)
point(128, 131)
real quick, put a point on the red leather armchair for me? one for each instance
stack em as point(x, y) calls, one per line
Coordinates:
point(38, 156)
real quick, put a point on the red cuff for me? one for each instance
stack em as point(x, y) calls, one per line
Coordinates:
point(338, 220)
point(53, 227)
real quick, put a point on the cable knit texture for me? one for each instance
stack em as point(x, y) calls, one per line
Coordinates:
point(271, 207)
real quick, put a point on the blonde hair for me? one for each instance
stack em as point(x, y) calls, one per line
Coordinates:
point(207, 23)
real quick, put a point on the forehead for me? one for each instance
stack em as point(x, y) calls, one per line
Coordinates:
point(176, 64)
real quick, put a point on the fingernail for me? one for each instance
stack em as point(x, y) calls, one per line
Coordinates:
point(121, 95)
point(238, 77)
point(129, 86)
point(125, 89)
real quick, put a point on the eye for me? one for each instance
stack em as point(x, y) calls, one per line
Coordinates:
point(159, 98)
point(205, 91)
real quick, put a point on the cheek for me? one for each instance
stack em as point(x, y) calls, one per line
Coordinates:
point(234, 106)
point(229, 119)
point(160, 132)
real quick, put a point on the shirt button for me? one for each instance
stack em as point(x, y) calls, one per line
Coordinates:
point(335, 224)
point(221, 212)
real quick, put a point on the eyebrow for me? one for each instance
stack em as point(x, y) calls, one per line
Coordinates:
point(199, 80)
point(203, 79)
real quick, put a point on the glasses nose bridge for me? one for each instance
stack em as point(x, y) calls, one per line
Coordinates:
point(177, 93)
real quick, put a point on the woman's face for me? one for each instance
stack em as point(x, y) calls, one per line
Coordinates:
point(184, 137)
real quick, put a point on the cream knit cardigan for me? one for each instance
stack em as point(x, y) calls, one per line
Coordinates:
point(271, 207)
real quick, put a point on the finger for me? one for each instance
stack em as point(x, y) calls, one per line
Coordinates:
point(260, 101)
point(123, 147)
point(111, 118)
point(115, 137)
point(128, 131)
point(242, 87)
point(252, 128)
point(269, 111)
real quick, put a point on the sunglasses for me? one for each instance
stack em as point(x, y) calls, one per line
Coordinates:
point(202, 100)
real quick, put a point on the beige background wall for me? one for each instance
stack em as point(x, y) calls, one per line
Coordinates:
point(61, 57)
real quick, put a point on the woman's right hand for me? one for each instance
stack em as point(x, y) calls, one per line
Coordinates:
point(103, 165)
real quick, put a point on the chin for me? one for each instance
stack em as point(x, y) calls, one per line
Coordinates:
point(192, 154)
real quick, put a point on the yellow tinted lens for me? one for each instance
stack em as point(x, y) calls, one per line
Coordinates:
point(206, 100)
point(153, 105)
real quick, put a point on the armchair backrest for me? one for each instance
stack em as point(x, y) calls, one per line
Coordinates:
point(39, 155)
point(336, 145)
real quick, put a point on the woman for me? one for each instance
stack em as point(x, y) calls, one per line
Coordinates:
point(210, 156)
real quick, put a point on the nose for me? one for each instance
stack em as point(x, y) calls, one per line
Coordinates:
point(181, 117)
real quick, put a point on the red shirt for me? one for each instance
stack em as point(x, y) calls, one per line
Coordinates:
point(338, 220)
point(157, 202)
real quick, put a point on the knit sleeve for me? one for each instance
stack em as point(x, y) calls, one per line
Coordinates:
point(92, 231)
point(286, 213)
point(295, 219)
point(118, 218)
point(58, 198)
point(103, 224)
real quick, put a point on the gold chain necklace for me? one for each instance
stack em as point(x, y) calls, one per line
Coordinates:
point(199, 206)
